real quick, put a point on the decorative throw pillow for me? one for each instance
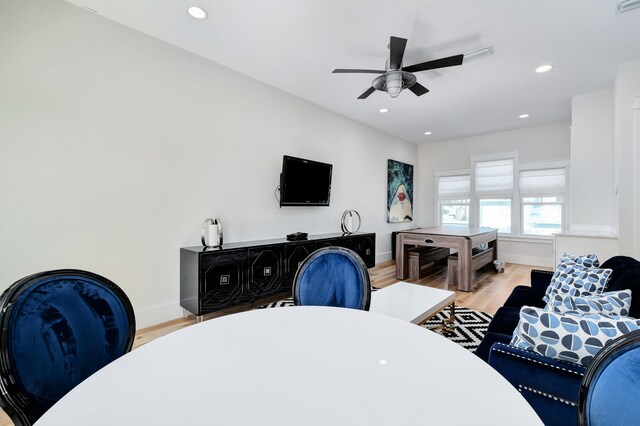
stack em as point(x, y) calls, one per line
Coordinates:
point(569, 338)
point(567, 260)
point(586, 261)
point(572, 279)
point(611, 303)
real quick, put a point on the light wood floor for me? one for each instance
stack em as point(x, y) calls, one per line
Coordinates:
point(489, 293)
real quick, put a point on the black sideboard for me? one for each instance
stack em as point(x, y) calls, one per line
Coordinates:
point(212, 279)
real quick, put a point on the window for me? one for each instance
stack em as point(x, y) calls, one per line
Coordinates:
point(494, 193)
point(495, 213)
point(543, 194)
point(500, 192)
point(453, 199)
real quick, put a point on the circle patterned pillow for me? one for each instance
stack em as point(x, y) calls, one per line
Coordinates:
point(575, 280)
point(566, 337)
point(615, 303)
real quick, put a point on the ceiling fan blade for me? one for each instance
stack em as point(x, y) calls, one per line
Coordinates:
point(396, 47)
point(366, 94)
point(418, 89)
point(451, 61)
point(346, 71)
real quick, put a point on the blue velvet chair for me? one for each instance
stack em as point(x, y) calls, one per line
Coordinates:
point(333, 276)
point(610, 388)
point(58, 327)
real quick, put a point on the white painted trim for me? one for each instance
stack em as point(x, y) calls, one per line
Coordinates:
point(594, 228)
point(497, 156)
point(527, 260)
point(383, 257)
point(516, 201)
point(456, 172)
point(146, 317)
point(560, 164)
point(525, 239)
point(636, 176)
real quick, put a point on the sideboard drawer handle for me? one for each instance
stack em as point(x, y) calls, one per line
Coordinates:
point(429, 241)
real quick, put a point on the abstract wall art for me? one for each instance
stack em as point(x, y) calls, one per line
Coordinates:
point(399, 192)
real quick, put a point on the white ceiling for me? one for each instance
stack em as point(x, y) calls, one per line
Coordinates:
point(295, 44)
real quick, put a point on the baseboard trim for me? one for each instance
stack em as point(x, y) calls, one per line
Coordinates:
point(383, 257)
point(526, 260)
point(153, 315)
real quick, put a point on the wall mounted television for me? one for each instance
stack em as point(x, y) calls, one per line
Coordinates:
point(304, 182)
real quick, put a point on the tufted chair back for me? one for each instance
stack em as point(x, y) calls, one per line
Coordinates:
point(610, 387)
point(333, 276)
point(58, 327)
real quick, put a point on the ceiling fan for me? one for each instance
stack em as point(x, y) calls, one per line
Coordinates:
point(395, 77)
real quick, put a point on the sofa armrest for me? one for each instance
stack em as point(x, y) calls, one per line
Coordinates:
point(535, 373)
point(540, 280)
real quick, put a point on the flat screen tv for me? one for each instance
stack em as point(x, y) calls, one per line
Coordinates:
point(304, 182)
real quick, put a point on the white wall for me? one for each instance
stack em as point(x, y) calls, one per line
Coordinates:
point(534, 144)
point(114, 147)
point(627, 149)
point(592, 171)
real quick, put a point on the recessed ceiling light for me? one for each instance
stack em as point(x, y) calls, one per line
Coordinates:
point(197, 12)
point(427, 133)
point(523, 116)
point(383, 110)
point(544, 68)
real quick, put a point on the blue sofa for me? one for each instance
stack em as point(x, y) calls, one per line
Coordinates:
point(549, 385)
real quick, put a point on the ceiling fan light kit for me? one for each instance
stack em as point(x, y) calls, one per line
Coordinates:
point(395, 78)
point(393, 82)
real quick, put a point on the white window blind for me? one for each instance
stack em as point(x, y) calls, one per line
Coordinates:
point(494, 177)
point(454, 187)
point(542, 182)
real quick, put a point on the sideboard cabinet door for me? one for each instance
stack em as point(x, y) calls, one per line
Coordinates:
point(221, 278)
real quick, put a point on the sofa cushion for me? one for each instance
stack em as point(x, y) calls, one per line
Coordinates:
point(620, 266)
point(524, 296)
point(609, 303)
point(575, 280)
point(483, 350)
point(630, 280)
point(569, 338)
point(504, 321)
point(586, 261)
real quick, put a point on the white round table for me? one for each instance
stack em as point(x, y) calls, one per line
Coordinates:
point(296, 366)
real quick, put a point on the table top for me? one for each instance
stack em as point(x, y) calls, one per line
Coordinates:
point(451, 231)
point(293, 366)
point(274, 241)
point(410, 302)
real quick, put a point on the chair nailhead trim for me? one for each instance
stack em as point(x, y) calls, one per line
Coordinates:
point(555, 398)
point(537, 362)
point(542, 272)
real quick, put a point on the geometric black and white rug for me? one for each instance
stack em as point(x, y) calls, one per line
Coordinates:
point(470, 325)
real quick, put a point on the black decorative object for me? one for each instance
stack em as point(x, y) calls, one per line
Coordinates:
point(297, 236)
point(212, 279)
point(304, 182)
